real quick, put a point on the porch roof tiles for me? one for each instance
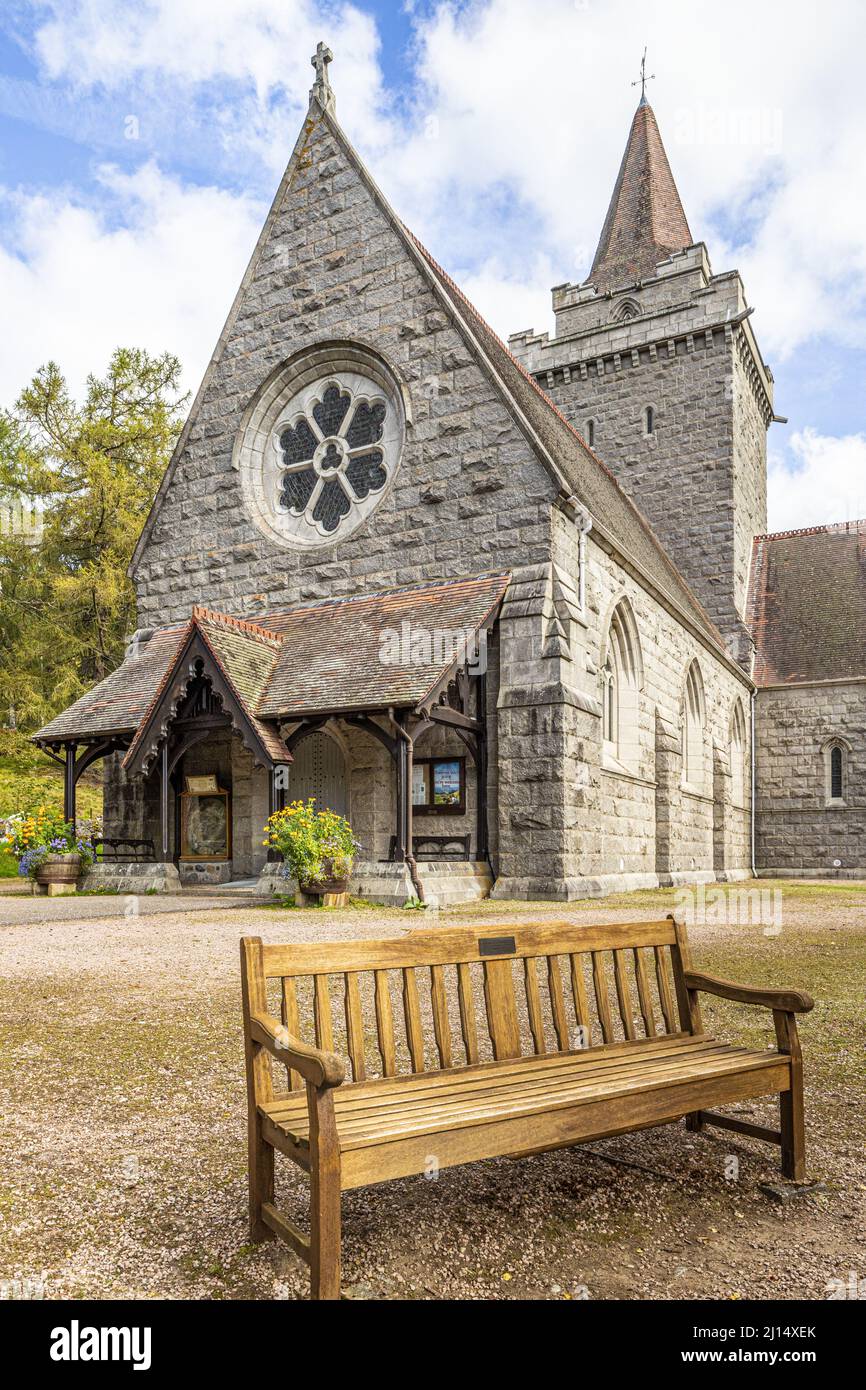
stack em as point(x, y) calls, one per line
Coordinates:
point(358, 653)
point(343, 654)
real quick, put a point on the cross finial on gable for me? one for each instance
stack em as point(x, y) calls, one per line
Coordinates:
point(322, 86)
point(643, 79)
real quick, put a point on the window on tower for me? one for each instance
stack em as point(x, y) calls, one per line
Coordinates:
point(589, 433)
point(649, 420)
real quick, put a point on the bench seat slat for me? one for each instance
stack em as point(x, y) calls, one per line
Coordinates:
point(362, 1100)
point(388, 1124)
point(493, 1073)
point(430, 1116)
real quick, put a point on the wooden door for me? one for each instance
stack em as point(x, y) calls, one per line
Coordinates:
point(319, 770)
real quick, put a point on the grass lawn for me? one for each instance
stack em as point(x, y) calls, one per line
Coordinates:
point(124, 1155)
point(29, 778)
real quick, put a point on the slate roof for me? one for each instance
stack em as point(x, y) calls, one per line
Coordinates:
point(244, 653)
point(645, 221)
point(309, 659)
point(594, 484)
point(120, 702)
point(807, 604)
point(332, 653)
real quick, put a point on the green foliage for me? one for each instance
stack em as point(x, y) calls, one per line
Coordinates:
point(315, 845)
point(66, 602)
point(28, 778)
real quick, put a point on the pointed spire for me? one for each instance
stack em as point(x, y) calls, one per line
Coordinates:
point(645, 222)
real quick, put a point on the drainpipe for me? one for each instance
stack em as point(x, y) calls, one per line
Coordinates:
point(753, 761)
point(410, 858)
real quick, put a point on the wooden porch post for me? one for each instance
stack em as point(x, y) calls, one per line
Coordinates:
point(164, 786)
point(404, 813)
point(482, 832)
point(69, 784)
point(274, 800)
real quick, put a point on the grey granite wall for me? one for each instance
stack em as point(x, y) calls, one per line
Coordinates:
point(801, 832)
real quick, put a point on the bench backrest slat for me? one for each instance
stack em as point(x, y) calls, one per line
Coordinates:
point(455, 996)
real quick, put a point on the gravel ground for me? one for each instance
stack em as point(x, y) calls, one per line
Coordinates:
point(123, 1137)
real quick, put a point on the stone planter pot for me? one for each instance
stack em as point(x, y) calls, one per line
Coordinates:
point(58, 874)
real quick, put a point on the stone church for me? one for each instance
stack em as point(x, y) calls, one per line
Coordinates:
point(511, 609)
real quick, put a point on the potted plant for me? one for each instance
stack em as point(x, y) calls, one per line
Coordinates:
point(48, 850)
point(318, 847)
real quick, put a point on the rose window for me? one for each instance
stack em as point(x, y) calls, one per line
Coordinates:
point(332, 454)
point(320, 445)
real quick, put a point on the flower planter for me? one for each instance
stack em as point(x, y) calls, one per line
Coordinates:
point(332, 892)
point(58, 874)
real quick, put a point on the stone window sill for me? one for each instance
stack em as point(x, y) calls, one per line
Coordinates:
point(694, 792)
point(614, 768)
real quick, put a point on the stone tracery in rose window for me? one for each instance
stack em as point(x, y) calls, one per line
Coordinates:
point(329, 456)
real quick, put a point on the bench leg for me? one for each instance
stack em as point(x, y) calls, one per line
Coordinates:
point(791, 1102)
point(261, 1158)
point(694, 1122)
point(324, 1196)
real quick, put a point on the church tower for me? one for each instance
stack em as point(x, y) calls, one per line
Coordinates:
point(655, 362)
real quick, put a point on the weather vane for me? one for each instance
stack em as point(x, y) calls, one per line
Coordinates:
point(643, 79)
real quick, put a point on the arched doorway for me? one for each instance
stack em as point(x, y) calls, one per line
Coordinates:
point(319, 770)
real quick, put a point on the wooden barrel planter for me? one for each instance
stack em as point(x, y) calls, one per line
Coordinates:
point(58, 874)
point(331, 892)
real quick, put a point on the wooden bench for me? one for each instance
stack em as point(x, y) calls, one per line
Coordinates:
point(487, 1041)
point(434, 847)
point(119, 851)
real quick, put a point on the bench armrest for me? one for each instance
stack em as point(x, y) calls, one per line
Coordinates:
point(319, 1068)
point(794, 1001)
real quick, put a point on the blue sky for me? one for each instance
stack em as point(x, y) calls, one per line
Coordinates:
point(141, 142)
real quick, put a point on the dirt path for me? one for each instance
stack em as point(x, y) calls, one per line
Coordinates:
point(123, 1139)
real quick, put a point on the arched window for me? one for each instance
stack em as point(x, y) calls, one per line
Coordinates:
point(608, 701)
point(835, 772)
point(737, 751)
point(694, 772)
point(589, 433)
point(621, 682)
point(649, 420)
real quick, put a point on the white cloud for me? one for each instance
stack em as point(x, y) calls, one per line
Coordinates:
point(138, 268)
point(827, 482)
point(502, 158)
point(162, 51)
point(763, 111)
